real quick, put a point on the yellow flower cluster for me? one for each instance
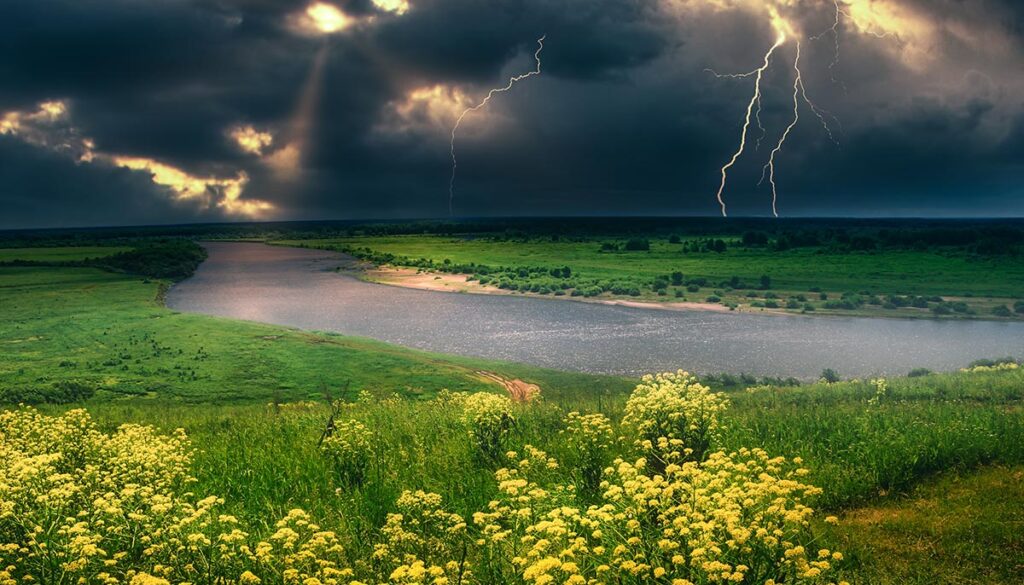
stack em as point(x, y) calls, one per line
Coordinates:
point(674, 413)
point(489, 419)
point(881, 391)
point(422, 540)
point(78, 502)
point(350, 445)
point(590, 437)
point(78, 505)
point(1001, 367)
point(736, 517)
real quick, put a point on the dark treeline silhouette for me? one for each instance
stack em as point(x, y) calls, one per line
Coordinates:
point(981, 236)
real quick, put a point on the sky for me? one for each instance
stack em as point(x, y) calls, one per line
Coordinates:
point(123, 112)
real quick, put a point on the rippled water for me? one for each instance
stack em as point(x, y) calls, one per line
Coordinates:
point(297, 287)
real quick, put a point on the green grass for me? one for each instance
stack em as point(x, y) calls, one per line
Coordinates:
point(265, 461)
point(907, 457)
point(64, 254)
point(986, 281)
point(111, 333)
point(959, 528)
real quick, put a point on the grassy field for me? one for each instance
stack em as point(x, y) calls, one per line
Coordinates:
point(109, 334)
point(867, 279)
point(64, 254)
point(922, 472)
point(872, 449)
point(957, 528)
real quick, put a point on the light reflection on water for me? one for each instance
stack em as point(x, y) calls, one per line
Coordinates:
point(296, 287)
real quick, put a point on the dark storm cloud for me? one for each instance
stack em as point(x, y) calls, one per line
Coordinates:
point(623, 120)
point(44, 188)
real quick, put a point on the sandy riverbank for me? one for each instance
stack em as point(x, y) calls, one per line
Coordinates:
point(458, 283)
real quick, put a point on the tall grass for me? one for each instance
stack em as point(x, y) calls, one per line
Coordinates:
point(264, 460)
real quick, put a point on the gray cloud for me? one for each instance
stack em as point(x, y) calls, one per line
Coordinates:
point(623, 120)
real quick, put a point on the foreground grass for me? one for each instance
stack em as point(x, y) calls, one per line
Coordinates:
point(869, 447)
point(859, 450)
point(805, 273)
point(961, 528)
point(108, 334)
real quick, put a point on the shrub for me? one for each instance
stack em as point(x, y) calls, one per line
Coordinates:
point(1002, 311)
point(638, 245)
point(829, 375)
point(350, 447)
point(713, 299)
point(1018, 307)
point(693, 288)
point(421, 531)
point(590, 438)
point(489, 420)
point(674, 412)
point(918, 372)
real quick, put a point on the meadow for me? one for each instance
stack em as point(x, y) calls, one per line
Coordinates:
point(305, 457)
point(946, 282)
point(71, 333)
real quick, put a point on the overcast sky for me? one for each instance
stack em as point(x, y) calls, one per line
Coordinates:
point(166, 111)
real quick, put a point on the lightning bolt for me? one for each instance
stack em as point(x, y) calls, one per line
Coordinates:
point(799, 94)
point(834, 30)
point(770, 166)
point(512, 81)
point(755, 101)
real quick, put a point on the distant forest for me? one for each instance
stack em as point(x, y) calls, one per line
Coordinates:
point(979, 236)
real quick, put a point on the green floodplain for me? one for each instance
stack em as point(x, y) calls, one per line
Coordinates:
point(923, 474)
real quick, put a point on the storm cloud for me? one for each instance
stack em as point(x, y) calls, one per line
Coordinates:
point(121, 112)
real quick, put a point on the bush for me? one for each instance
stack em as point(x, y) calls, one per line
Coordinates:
point(674, 412)
point(713, 299)
point(638, 245)
point(1018, 307)
point(488, 418)
point(173, 259)
point(350, 446)
point(918, 372)
point(590, 438)
point(1002, 311)
point(829, 375)
point(59, 392)
point(692, 288)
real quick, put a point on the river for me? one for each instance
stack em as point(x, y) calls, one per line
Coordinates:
point(301, 288)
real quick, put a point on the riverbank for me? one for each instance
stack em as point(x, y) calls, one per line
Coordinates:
point(460, 283)
point(947, 283)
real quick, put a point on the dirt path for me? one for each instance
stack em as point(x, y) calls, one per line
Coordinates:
point(518, 390)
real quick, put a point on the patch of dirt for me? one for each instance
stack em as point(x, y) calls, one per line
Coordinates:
point(517, 389)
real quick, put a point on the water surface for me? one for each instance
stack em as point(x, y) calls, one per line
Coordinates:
point(300, 288)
